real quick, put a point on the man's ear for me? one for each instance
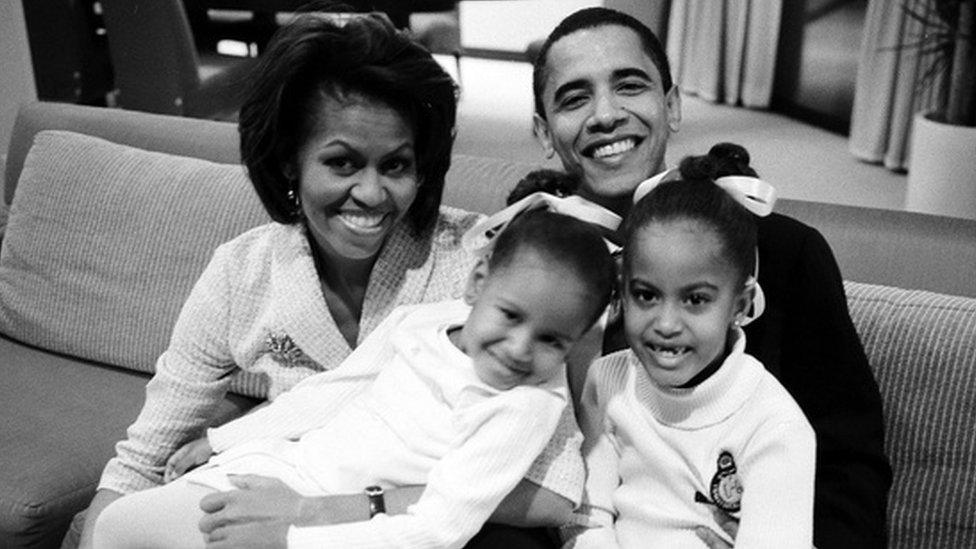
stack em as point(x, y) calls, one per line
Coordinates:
point(673, 103)
point(476, 280)
point(540, 128)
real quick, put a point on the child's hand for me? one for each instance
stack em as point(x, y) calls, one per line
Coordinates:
point(186, 458)
point(728, 523)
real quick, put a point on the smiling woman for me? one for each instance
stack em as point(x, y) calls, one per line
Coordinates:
point(346, 134)
point(356, 176)
point(356, 180)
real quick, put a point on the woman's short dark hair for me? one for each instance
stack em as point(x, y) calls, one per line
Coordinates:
point(561, 240)
point(695, 196)
point(589, 18)
point(359, 55)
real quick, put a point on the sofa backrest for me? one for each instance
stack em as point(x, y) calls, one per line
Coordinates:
point(206, 139)
point(105, 241)
point(891, 248)
point(903, 249)
point(895, 248)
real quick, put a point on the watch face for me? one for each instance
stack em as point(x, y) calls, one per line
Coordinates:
point(376, 504)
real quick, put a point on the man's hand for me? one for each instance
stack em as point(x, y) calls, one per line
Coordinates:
point(187, 457)
point(729, 524)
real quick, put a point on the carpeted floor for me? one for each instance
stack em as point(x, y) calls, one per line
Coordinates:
point(802, 161)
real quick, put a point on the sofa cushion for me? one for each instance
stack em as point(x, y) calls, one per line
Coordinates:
point(61, 419)
point(96, 262)
point(922, 348)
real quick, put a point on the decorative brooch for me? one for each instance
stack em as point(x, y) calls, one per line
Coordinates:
point(284, 351)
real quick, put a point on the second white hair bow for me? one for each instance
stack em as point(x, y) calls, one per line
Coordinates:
point(479, 239)
point(753, 194)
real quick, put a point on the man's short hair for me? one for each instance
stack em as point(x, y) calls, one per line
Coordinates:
point(589, 18)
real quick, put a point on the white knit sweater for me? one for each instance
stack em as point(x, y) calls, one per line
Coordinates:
point(648, 451)
point(405, 408)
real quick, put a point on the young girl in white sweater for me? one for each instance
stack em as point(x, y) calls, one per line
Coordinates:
point(460, 396)
point(684, 423)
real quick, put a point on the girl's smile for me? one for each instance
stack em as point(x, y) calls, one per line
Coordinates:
point(681, 296)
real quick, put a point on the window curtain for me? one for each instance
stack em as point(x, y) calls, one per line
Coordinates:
point(724, 51)
point(885, 94)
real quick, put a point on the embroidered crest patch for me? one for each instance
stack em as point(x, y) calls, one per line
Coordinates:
point(726, 487)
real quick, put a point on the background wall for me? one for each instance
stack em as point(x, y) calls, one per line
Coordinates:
point(503, 26)
point(817, 61)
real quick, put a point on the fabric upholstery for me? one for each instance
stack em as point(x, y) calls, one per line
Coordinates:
point(206, 139)
point(61, 419)
point(922, 348)
point(894, 248)
point(481, 184)
point(71, 281)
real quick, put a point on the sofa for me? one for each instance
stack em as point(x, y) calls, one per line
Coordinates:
point(113, 215)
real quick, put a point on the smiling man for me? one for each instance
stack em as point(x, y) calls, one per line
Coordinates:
point(603, 105)
point(606, 105)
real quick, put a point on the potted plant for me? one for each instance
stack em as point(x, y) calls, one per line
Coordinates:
point(942, 163)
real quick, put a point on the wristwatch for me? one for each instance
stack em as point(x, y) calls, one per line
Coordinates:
point(377, 505)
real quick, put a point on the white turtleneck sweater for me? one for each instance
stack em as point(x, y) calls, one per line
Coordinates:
point(649, 449)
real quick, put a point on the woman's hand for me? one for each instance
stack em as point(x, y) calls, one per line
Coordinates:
point(186, 458)
point(728, 523)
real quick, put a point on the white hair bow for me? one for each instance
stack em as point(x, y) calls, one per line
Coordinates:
point(753, 194)
point(479, 239)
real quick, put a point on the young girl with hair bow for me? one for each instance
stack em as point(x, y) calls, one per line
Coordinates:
point(685, 423)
